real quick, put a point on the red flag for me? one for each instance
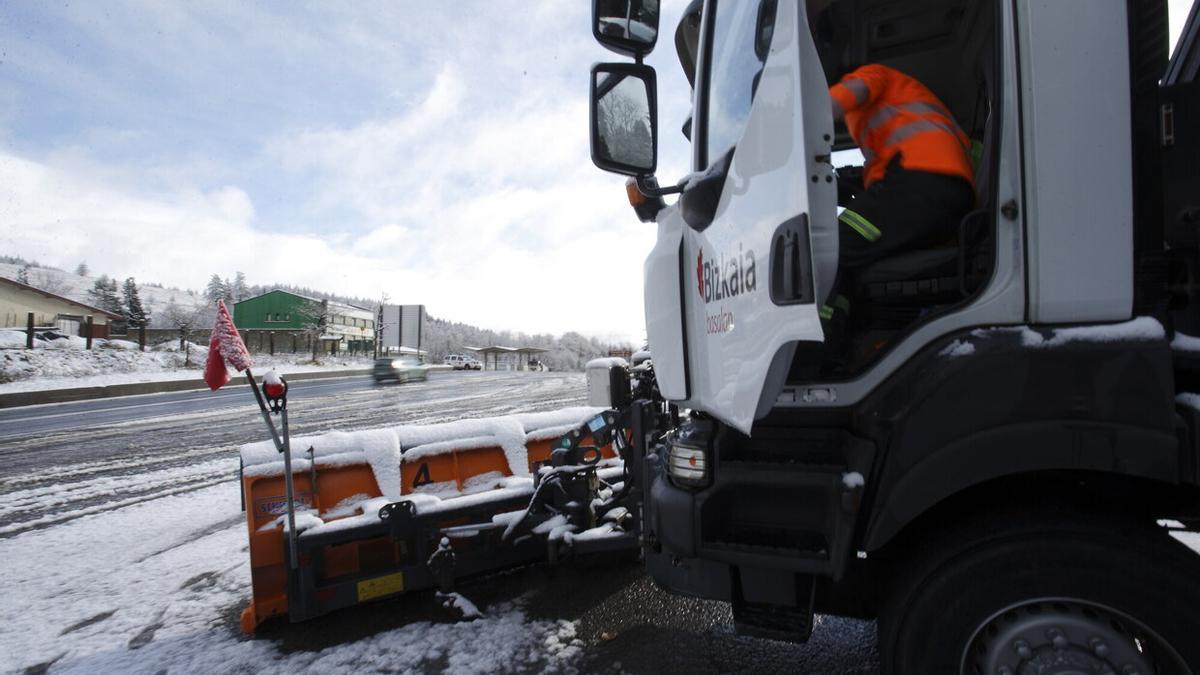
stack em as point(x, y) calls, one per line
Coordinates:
point(215, 373)
point(225, 346)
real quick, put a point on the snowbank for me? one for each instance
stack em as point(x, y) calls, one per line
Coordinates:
point(59, 364)
point(12, 339)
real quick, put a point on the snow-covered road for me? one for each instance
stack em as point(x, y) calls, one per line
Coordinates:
point(49, 477)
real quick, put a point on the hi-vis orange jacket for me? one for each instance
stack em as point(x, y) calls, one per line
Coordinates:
point(888, 112)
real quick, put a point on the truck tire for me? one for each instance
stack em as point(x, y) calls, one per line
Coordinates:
point(1084, 596)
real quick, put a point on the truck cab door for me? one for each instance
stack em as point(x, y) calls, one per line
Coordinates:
point(760, 246)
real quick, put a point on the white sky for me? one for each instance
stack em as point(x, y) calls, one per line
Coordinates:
point(435, 153)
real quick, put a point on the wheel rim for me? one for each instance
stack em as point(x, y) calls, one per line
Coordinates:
point(1066, 636)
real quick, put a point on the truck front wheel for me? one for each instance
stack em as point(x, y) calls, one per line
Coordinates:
point(1060, 599)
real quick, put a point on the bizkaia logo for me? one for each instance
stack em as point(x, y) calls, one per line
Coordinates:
point(721, 279)
point(726, 277)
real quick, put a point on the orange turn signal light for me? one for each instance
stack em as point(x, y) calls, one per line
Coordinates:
point(636, 198)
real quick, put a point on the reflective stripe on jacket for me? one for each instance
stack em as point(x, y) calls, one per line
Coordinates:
point(888, 112)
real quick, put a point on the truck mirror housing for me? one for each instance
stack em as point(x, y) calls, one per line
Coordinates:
point(627, 27)
point(624, 133)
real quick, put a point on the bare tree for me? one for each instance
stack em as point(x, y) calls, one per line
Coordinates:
point(314, 319)
point(185, 320)
point(47, 281)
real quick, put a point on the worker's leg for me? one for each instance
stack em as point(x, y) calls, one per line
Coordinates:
point(907, 210)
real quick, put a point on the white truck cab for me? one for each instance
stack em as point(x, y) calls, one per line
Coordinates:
point(1015, 402)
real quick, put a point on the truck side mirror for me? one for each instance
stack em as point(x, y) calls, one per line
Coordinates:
point(624, 118)
point(627, 27)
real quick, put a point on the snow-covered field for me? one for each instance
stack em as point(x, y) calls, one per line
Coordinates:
point(62, 364)
point(174, 577)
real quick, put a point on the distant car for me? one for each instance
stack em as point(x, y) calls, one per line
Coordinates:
point(456, 361)
point(399, 369)
point(473, 364)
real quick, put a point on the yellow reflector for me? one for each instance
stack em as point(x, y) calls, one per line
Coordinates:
point(380, 586)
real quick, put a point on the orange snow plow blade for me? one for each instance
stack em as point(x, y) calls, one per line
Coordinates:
point(341, 480)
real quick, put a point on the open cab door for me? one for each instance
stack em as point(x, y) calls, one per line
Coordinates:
point(745, 259)
point(760, 233)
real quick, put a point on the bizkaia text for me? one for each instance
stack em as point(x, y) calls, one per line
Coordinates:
point(727, 276)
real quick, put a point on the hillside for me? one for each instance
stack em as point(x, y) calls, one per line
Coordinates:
point(70, 285)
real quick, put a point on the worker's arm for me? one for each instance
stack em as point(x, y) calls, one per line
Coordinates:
point(857, 90)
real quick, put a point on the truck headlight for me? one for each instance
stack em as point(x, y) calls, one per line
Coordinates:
point(689, 454)
point(687, 465)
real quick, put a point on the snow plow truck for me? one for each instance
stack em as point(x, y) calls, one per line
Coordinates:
point(997, 458)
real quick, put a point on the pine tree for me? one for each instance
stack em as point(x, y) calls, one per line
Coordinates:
point(135, 313)
point(82, 269)
point(105, 295)
point(217, 289)
point(228, 296)
point(23, 275)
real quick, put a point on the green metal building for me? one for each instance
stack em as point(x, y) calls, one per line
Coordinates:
point(347, 328)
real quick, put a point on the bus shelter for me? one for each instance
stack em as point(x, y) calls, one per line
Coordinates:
point(508, 358)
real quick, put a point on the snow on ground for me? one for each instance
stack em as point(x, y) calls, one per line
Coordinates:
point(69, 365)
point(158, 586)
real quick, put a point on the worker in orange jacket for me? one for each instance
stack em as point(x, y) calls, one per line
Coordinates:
point(918, 179)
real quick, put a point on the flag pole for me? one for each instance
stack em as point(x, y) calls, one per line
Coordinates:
point(284, 445)
point(290, 489)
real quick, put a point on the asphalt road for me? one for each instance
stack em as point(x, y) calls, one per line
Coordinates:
point(63, 462)
point(81, 414)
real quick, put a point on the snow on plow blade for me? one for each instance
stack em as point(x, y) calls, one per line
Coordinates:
point(377, 510)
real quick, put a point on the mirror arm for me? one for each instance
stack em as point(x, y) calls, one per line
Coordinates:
point(651, 189)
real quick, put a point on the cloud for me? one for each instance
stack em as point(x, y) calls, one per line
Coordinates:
point(438, 154)
point(458, 265)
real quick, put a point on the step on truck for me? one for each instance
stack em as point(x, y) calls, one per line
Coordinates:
point(1001, 465)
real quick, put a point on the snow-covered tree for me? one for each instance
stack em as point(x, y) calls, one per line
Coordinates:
point(135, 314)
point(314, 317)
point(240, 290)
point(217, 289)
point(23, 275)
point(47, 281)
point(104, 294)
point(82, 268)
point(185, 320)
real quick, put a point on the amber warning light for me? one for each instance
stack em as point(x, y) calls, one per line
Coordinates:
point(646, 208)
